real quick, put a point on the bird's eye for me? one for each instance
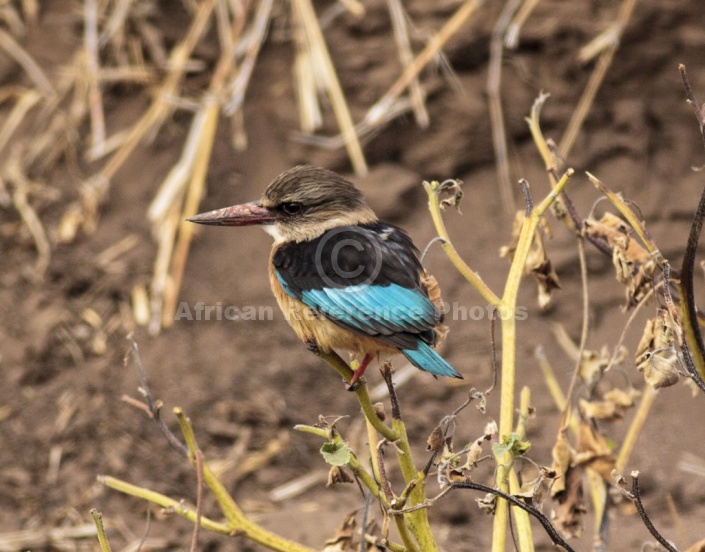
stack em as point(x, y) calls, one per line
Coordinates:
point(292, 208)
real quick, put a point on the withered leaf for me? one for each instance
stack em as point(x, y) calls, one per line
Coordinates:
point(338, 474)
point(634, 265)
point(537, 264)
point(451, 187)
point(594, 452)
point(344, 535)
point(569, 515)
point(612, 407)
point(562, 454)
point(656, 355)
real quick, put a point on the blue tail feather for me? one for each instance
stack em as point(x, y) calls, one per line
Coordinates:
point(429, 360)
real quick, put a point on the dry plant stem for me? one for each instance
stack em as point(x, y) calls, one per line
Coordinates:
point(435, 44)
point(177, 506)
point(237, 521)
point(690, 321)
point(593, 85)
point(25, 102)
point(95, 98)
point(508, 305)
point(566, 417)
point(470, 275)
point(636, 497)
point(209, 112)
point(635, 428)
point(406, 56)
point(160, 108)
point(519, 503)
point(512, 38)
point(20, 55)
point(102, 538)
point(317, 45)
point(494, 80)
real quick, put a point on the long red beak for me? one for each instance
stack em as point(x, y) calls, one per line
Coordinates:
point(237, 215)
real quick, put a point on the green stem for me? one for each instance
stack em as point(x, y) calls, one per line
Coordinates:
point(363, 396)
point(237, 521)
point(469, 274)
point(165, 502)
point(508, 308)
point(102, 538)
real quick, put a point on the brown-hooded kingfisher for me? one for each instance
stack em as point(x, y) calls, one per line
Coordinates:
point(343, 278)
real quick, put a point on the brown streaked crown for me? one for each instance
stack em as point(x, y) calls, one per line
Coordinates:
point(310, 200)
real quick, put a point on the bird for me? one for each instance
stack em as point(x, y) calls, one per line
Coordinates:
point(343, 278)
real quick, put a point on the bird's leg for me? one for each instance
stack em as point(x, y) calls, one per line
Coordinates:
point(311, 346)
point(357, 374)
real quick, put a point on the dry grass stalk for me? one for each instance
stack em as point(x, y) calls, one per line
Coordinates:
point(27, 100)
point(321, 58)
point(494, 81)
point(377, 112)
point(512, 36)
point(33, 539)
point(21, 185)
point(209, 112)
point(406, 56)
point(20, 55)
point(95, 98)
point(598, 75)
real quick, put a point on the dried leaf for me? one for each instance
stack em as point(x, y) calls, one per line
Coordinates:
point(568, 517)
point(656, 355)
point(537, 262)
point(562, 454)
point(343, 539)
point(594, 452)
point(436, 441)
point(451, 187)
point(634, 265)
point(338, 475)
point(613, 406)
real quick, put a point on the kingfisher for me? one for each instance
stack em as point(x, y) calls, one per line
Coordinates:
point(343, 278)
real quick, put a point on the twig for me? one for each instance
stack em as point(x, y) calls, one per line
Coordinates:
point(690, 364)
point(692, 101)
point(583, 333)
point(153, 407)
point(540, 516)
point(636, 498)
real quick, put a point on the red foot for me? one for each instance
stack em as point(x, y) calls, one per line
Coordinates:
point(357, 374)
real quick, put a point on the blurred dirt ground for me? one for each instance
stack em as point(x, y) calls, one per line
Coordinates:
point(246, 383)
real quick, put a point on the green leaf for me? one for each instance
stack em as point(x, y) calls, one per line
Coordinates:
point(511, 444)
point(336, 453)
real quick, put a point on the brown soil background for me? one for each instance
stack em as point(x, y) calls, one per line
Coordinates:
point(246, 383)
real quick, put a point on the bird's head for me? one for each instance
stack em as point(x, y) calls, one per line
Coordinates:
point(299, 205)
